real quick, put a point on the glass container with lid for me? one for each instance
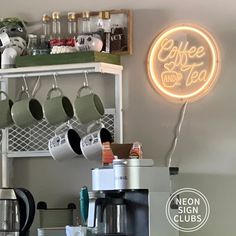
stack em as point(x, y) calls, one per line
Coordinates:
point(46, 27)
point(86, 24)
point(56, 25)
point(32, 44)
point(72, 28)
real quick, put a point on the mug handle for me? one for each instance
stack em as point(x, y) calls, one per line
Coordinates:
point(97, 124)
point(82, 88)
point(21, 94)
point(7, 98)
point(52, 90)
point(58, 129)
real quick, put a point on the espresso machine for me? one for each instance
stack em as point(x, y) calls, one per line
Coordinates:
point(129, 198)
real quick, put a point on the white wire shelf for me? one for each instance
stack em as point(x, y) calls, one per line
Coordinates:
point(64, 69)
point(33, 142)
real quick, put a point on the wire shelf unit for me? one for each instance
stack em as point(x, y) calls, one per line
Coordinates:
point(32, 142)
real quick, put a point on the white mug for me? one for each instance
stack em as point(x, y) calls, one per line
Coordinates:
point(91, 144)
point(64, 145)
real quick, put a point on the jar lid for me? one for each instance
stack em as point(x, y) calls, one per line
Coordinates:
point(71, 16)
point(105, 15)
point(56, 15)
point(85, 15)
point(45, 18)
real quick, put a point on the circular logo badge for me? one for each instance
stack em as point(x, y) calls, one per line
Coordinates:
point(192, 210)
point(183, 63)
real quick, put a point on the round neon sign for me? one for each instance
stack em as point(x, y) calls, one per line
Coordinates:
point(183, 63)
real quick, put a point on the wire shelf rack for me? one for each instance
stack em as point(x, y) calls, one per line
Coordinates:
point(33, 142)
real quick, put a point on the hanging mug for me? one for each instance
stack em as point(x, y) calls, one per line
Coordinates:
point(26, 112)
point(91, 144)
point(89, 107)
point(5, 111)
point(57, 109)
point(65, 144)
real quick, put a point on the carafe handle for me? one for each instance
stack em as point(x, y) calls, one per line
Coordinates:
point(27, 209)
point(93, 203)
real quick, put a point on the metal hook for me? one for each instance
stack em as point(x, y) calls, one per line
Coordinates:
point(26, 86)
point(86, 84)
point(36, 86)
point(55, 80)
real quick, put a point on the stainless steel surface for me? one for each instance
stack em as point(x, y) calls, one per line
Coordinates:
point(107, 216)
point(9, 233)
point(115, 219)
point(7, 194)
point(9, 216)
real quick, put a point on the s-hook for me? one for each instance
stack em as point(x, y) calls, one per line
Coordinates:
point(36, 86)
point(26, 88)
point(86, 84)
point(55, 85)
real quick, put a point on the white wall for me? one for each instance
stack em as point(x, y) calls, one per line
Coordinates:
point(206, 150)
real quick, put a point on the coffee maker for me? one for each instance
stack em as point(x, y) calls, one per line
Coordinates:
point(129, 198)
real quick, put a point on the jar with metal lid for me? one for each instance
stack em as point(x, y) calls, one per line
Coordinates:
point(46, 27)
point(86, 24)
point(56, 25)
point(72, 27)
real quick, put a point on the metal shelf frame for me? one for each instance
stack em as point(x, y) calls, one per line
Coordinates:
point(65, 69)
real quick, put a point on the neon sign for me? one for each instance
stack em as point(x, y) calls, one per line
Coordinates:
point(183, 63)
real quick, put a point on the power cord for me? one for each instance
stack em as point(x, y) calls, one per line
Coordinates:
point(177, 133)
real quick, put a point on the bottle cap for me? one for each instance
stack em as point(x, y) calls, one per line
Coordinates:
point(85, 15)
point(56, 15)
point(71, 16)
point(45, 18)
point(105, 15)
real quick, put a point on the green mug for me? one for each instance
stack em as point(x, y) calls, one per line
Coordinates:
point(57, 109)
point(89, 107)
point(26, 112)
point(5, 111)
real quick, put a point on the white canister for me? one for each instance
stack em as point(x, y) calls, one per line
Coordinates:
point(120, 173)
point(64, 145)
point(91, 144)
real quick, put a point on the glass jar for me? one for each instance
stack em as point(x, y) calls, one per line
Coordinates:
point(56, 25)
point(86, 24)
point(72, 28)
point(46, 28)
point(32, 44)
point(43, 46)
